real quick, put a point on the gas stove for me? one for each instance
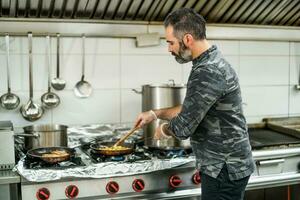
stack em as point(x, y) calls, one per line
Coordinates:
point(170, 180)
point(145, 174)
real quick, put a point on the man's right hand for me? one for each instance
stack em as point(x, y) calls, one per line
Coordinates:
point(145, 118)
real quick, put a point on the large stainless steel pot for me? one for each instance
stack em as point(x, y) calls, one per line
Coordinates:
point(48, 135)
point(162, 96)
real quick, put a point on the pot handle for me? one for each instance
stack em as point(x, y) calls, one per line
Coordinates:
point(136, 91)
point(171, 82)
point(36, 135)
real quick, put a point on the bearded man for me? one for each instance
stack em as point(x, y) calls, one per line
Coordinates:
point(211, 114)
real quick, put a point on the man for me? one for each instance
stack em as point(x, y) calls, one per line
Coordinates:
point(211, 114)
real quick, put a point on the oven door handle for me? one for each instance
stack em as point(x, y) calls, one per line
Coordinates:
point(270, 162)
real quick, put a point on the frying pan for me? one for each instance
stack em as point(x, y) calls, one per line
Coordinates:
point(99, 148)
point(38, 153)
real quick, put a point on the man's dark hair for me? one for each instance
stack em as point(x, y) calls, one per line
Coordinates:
point(186, 20)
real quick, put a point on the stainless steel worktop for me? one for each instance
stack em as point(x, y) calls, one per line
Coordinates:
point(9, 177)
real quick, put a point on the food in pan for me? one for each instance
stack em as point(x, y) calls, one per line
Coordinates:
point(55, 154)
point(114, 148)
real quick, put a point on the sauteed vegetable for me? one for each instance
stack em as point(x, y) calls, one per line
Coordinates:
point(114, 148)
point(55, 153)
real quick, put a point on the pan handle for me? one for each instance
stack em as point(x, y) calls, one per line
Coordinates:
point(36, 135)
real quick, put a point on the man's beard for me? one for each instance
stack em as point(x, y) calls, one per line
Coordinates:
point(184, 54)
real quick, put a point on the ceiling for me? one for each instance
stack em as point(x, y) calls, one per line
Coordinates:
point(258, 12)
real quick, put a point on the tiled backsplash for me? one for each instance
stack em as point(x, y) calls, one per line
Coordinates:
point(268, 72)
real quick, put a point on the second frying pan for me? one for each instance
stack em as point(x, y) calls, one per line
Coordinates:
point(41, 153)
point(106, 148)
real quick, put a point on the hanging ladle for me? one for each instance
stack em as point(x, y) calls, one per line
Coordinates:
point(83, 89)
point(31, 111)
point(9, 100)
point(49, 99)
point(58, 83)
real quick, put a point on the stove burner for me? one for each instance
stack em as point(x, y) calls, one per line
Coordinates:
point(170, 153)
point(34, 163)
point(98, 158)
point(140, 153)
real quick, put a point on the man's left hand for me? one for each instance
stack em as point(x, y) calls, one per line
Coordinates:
point(158, 133)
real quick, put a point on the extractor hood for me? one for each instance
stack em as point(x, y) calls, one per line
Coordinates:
point(257, 12)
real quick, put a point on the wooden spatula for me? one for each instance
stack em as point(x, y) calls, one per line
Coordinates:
point(125, 136)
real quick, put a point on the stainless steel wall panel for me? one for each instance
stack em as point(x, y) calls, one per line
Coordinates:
point(231, 11)
point(33, 10)
point(179, 4)
point(70, 8)
point(144, 9)
point(249, 12)
point(158, 9)
point(46, 8)
point(294, 18)
point(58, 8)
point(266, 12)
point(198, 7)
point(290, 15)
point(258, 11)
point(166, 9)
point(122, 10)
point(284, 12)
point(133, 9)
point(91, 7)
point(112, 9)
point(153, 7)
point(274, 12)
point(101, 9)
point(13, 7)
point(208, 7)
point(221, 11)
point(190, 3)
point(235, 17)
point(5, 5)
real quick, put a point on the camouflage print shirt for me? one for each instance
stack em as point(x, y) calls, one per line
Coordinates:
point(212, 117)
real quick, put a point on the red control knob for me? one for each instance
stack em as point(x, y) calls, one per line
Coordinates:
point(112, 187)
point(196, 178)
point(175, 181)
point(72, 191)
point(138, 185)
point(43, 194)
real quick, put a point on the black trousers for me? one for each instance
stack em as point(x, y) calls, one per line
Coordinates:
point(222, 188)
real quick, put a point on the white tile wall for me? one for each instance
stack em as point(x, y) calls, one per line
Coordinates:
point(295, 48)
point(227, 47)
point(294, 69)
point(267, 72)
point(264, 100)
point(131, 105)
point(264, 48)
point(103, 106)
point(128, 47)
point(139, 70)
point(294, 101)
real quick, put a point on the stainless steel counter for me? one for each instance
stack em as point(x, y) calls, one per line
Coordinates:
point(9, 177)
point(9, 185)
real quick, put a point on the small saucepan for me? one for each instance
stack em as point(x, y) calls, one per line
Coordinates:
point(52, 154)
point(108, 149)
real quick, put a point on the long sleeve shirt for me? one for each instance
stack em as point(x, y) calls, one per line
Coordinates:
point(212, 117)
